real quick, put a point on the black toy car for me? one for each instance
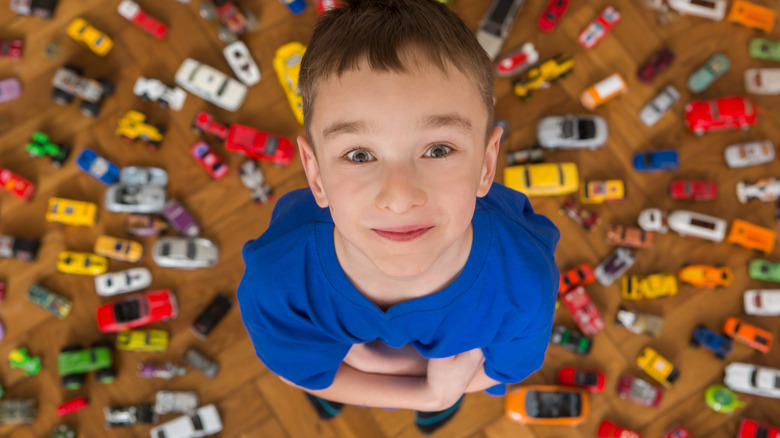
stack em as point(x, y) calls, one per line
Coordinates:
point(211, 316)
point(22, 249)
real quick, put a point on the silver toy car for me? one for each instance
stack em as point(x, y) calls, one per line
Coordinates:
point(203, 422)
point(615, 265)
point(570, 131)
point(185, 252)
point(143, 176)
point(652, 112)
point(182, 402)
point(122, 198)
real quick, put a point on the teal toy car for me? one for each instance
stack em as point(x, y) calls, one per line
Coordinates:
point(40, 146)
point(762, 48)
point(20, 358)
point(74, 362)
point(760, 269)
point(721, 399)
point(714, 68)
point(55, 304)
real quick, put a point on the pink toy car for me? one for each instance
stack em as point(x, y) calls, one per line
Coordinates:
point(11, 48)
point(600, 27)
point(130, 10)
point(720, 114)
point(260, 145)
point(208, 160)
point(10, 89)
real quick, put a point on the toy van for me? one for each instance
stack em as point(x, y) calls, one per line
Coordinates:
point(603, 91)
point(630, 236)
point(689, 223)
point(711, 9)
point(751, 236)
point(752, 15)
point(748, 334)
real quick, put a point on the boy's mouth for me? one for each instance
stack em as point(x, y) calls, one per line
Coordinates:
point(402, 234)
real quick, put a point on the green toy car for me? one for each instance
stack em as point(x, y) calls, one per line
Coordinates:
point(63, 431)
point(20, 358)
point(721, 399)
point(73, 362)
point(41, 146)
point(760, 269)
point(762, 48)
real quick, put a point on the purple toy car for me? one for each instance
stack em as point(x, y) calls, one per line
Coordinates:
point(10, 89)
point(162, 371)
point(180, 219)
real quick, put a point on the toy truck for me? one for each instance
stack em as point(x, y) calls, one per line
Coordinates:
point(74, 362)
point(40, 146)
point(69, 84)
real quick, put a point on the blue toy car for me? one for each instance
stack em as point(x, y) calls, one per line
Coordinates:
point(656, 160)
point(718, 344)
point(100, 168)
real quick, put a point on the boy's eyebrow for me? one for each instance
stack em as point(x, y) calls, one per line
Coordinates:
point(344, 128)
point(446, 120)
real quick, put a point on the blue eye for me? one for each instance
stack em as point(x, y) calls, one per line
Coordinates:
point(437, 151)
point(359, 156)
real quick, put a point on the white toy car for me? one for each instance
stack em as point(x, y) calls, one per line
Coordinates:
point(253, 178)
point(652, 219)
point(155, 90)
point(182, 402)
point(765, 190)
point(749, 154)
point(762, 80)
point(712, 9)
point(129, 280)
point(240, 60)
point(615, 265)
point(762, 302)
point(211, 84)
point(205, 421)
point(572, 131)
point(185, 252)
point(690, 223)
point(143, 176)
point(652, 112)
point(753, 379)
point(123, 198)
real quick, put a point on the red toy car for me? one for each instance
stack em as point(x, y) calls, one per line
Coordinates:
point(599, 27)
point(205, 123)
point(71, 406)
point(11, 48)
point(582, 275)
point(753, 429)
point(208, 160)
point(259, 145)
point(660, 61)
point(16, 185)
point(137, 310)
point(639, 391)
point(583, 217)
point(677, 431)
point(589, 380)
point(583, 311)
point(517, 61)
point(552, 14)
point(690, 190)
point(130, 10)
point(608, 429)
point(720, 114)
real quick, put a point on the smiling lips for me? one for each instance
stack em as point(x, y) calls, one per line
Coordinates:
point(402, 234)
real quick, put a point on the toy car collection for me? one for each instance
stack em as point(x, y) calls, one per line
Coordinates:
point(130, 10)
point(722, 399)
point(635, 287)
point(630, 236)
point(639, 391)
point(748, 334)
point(543, 179)
point(603, 91)
point(658, 62)
point(753, 379)
point(142, 340)
point(706, 276)
point(69, 84)
point(241, 62)
point(657, 367)
point(597, 192)
point(690, 190)
point(585, 218)
point(599, 27)
point(132, 127)
point(615, 265)
point(589, 380)
point(718, 344)
point(211, 316)
point(137, 310)
point(211, 84)
point(253, 178)
point(540, 77)
point(572, 131)
point(518, 61)
point(129, 280)
point(654, 161)
point(639, 323)
point(208, 160)
point(16, 185)
point(720, 114)
point(19, 248)
point(659, 105)
point(81, 263)
point(129, 415)
point(20, 358)
point(180, 219)
point(202, 363)
point(571, 340)
point(202, 422)
point(97, 167)
point(765, 190)
point(53, 303)
point(751, 236)
point(74, 362)
point(551, 14)
point(762, 302)
point(260, 145)
point(548, 405)
point(155, 90)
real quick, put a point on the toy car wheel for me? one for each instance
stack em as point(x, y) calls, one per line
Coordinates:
point(102, 343)
point(225, 35)
point(73, 381)
point(72, 347)
point(75, 69)
point(61, 97)
point(251, 21)
point(106, 375)
point(207, 11)
point(108, 86)
point(89, 109)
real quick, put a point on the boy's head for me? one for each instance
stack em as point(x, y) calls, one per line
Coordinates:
point(398, 110)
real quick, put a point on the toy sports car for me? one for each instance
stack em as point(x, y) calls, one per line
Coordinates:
point(97, 167)
point(208, 160)
point(260, 145)
point(540, 77)
point(765, 190)
point(519, 60)
point(137, 310)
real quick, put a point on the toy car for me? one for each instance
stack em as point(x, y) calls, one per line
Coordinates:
point(639, 323)
point(762, 48)
point(39, 8)
point(659, 160)
point(253, 178)
point(749, 154)
point(753, 379)
point(234, 22)
point(752, 15)
point(74, 362)
point(652, 286)
point(10, 89)
point(71, 406)
point(119, 249)
point(762, 302)
point(657, 367)
point(677, 431)
point(142, 340)
point(582, 275)
point(718, 344)
point(597, 192)
point(163, 371)
point(182, 402)
point(211, 84)
point(589, 380)
point(81, 263)
point(615, 265)
point(260, 145)
point(571, 340)
point(599, 27)
point(540, 77)
point(11, 48)
point(608, 429)
point(572, 131)
point(71, 212)
point(603, 91)
point(150, 89)
point(658, 62)
point(716, 66)
point(22, 249)
point(185, 253)
point(690, 190)
point(180, 219)
point(205, 123)
point(653, 219)
point(691, 223)
point(584, 313)
point(548, 405)
point(652, 112)
point(720, 114)
point(129, 280)
point(86, 35)
point(132, 126)
point(762, 80)
point(20, 358)
point(705, 276)
point(552, 14)
point(130, 10)
point(711, 9)
point(751, 236)
point(129, 415)
point(753, 429)
point(144, 225)
point(544, 179)
point(18, 411)
point(55, 304)
point(202, 422)
point(765, 190)
point(97, 167)
point(765, 270)
point(748, 334)
point(639, 391)
point(137, 310)
point(16, 185)
point(202, 363)
point(518, 61)
point(241, 62)
point(721, 399)
point(63, 431)
point(211, 316)
point(287, 64)
point(143, 176)
point(208, 160)
point(630, 236)
point(68, 84)
point(585, 218)
point(533, 154)
point(40, 145)
point(122, 198)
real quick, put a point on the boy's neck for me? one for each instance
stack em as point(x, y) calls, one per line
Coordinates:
point(385, 290)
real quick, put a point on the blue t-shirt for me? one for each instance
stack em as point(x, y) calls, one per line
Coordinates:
point(303, 314)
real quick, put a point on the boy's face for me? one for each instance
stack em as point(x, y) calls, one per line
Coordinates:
point(400, 160)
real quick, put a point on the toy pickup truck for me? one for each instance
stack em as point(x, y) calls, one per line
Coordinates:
point(68, 84)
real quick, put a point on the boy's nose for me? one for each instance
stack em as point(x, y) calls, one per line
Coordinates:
point(400, 191)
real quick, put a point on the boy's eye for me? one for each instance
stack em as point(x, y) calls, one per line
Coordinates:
point(437, 150)
point(359, 156)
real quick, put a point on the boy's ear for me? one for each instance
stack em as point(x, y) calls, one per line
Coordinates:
point(312, 170)
point(491, 159)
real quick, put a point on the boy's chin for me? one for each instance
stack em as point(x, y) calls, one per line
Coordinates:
point(403, 266)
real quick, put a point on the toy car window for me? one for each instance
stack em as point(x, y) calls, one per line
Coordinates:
point(69, 209)
point(166, 249)
point(197, 423)
point(118, 246)
point(714, 110)
point(127, 311)
point(550, 16)
point(87, 262)
point(222, 87)
point(54, 207)
point(761, 340)
point(192, 250)
point(703, 224)
point(271, 145)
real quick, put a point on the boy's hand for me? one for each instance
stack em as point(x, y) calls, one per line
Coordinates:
point(448, 377)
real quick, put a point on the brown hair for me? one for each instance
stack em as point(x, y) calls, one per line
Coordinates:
point(382, 31)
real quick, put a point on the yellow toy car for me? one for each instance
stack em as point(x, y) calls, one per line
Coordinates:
point(544, 179)
point(287, 64)
point(596, 192)
point(119, 249)
point(142, 340)
point(657, 367)
point(132, 126)
point(82, 263)
point(540, 77)
point(89, 37)
point(71, 212)
point(652, 286)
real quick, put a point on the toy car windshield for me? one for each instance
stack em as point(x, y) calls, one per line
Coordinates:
point(127, 311)
point(271, 145)
point(552, 404)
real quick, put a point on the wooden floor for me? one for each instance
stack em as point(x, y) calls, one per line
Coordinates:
point(252, 401)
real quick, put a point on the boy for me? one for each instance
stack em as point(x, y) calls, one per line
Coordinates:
point(403, 277)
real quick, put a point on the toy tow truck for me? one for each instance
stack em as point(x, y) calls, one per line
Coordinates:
point(540, 77)
point(41, 146)
point(68, 84)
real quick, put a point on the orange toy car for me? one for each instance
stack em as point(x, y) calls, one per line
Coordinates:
point(751, 236)
point(580, 276)
point(748, 334)
point(706, 276)
point(752, 15)
point(548, 405)
point(630, 236)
